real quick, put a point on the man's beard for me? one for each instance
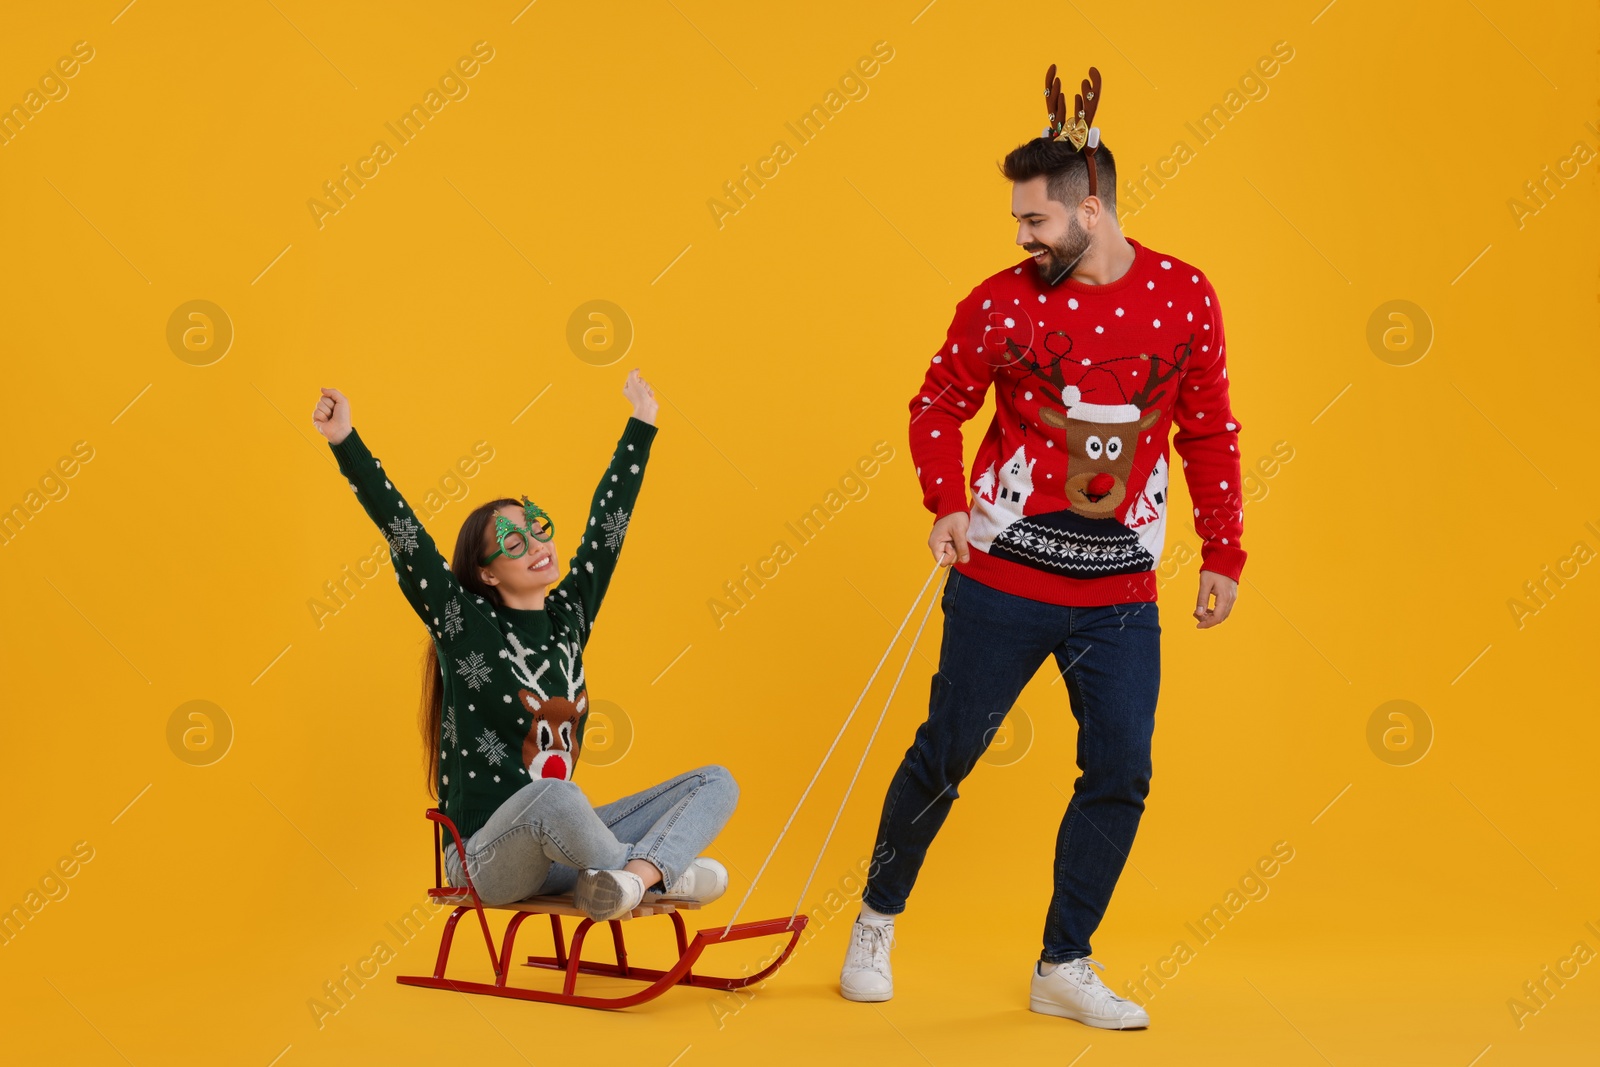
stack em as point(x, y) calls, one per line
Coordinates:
point(1059, 260)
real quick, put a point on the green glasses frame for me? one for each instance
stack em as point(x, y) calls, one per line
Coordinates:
point(540, 527)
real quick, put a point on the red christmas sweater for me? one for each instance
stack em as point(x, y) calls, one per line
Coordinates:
point(1070, 485)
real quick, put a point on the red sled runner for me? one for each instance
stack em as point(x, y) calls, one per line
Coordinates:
point(569, 958)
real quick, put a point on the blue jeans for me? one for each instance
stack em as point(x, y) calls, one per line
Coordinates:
point(547, 833)
point(994, 643)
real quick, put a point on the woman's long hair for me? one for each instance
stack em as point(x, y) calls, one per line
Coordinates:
point(465, 566)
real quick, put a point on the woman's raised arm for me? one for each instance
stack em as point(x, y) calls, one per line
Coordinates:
point(611, 510)
point(423, 573)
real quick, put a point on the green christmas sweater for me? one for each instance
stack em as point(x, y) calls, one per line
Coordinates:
point(515, 699)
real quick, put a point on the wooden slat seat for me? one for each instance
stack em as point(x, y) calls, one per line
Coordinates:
point(558, 905)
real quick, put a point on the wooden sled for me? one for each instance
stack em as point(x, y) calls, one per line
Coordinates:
point(568, 958)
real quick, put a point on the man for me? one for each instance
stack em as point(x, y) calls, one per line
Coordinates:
point(1095, 349)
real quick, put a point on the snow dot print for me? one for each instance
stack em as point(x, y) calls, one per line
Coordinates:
point(1068, 494)
point(514, 684)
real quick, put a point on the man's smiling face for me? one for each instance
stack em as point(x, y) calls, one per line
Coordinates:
point(1047, 229)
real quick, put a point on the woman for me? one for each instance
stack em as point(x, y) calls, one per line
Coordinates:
point(504, 695)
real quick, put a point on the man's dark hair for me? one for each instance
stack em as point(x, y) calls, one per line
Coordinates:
point(1065, 169)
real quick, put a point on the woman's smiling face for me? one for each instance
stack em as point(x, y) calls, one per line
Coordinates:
point(530, 572)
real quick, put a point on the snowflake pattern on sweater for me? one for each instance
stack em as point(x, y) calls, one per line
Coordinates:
point(515, 692)
point(616, 527)
point(1070, 487)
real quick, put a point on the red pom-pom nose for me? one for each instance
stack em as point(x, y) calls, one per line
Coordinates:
point(1101, 484)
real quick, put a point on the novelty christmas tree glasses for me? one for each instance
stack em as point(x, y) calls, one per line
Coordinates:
point(514, 539)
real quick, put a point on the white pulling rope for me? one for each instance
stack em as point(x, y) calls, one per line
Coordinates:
point(837, 738)
point(910, 650)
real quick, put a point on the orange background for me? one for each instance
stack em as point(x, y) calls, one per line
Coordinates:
point(1425, 484)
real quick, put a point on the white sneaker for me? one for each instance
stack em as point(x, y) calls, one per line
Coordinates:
point(604, 895)
point(1073, 991)
point(866, 975)
point(702, 881)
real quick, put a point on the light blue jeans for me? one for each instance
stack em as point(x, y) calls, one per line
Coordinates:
point(540, 840)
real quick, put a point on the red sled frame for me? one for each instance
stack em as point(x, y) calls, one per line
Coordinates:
point(569, 958)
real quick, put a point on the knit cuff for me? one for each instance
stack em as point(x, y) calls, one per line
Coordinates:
point(948, 501)
point(638, 432)
point(1226, 560)
point(351, 450)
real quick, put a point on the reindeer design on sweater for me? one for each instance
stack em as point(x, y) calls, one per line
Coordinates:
point(1086, 539)
point(1101, 439)
point(550, 749)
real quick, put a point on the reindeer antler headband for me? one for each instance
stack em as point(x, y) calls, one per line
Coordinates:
point(1081, 132)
